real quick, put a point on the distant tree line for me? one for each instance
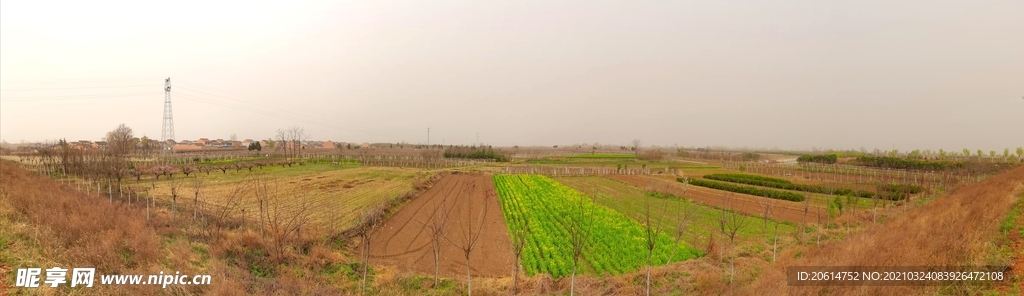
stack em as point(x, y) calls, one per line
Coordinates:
point(474, 152)
point(824, 158)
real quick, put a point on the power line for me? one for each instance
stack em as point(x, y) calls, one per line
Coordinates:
point(5, 81)
point(274, 109)
point(352, 127)
point(19, 89)
point(256, 111)
point(73, 97)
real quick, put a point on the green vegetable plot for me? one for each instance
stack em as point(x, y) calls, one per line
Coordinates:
point(616, 244)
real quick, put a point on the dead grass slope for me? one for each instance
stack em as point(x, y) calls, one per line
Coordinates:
point(71, 229)
point(952, 231)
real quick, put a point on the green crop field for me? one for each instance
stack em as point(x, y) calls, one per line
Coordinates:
point(630, 200)
point(617, 243)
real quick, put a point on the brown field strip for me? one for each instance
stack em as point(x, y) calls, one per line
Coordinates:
point(404, 241)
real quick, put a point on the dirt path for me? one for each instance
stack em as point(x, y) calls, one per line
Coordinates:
point(747, 204)
point(405, 240)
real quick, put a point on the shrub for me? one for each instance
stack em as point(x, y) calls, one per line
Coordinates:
point(827, 158)
point(474, 152)
point(785, 184)
point(776, 194)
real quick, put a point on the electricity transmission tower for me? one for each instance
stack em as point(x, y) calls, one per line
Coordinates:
point(168, 128)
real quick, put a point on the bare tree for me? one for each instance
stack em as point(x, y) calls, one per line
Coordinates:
point(285, 216)
point(186, 169)
point(652, 229)
point(768, 208)
point(729, 223)
point(119, 141)
point(467, 238)
point(292, 138)
point(174, 198)
point(137, 173)
point(579, 228)
point(233, 200)
point(636, 147)
point(435, 225)
point(371, 219)
point(119, 148)
point(684, 218)
point(197, 185)
point(684, 215)
point(519, 236)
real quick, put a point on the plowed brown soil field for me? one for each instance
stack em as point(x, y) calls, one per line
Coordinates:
point(404, 241)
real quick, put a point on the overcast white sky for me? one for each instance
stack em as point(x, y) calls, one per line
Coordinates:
point(787, 74)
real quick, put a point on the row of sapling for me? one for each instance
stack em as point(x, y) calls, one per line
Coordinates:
point(685, 215)
point(467, 239)
point(730, 223)
point(579, 227)
point(435, 227)
point(652, 229)
point(110, 165)
point(767, 211)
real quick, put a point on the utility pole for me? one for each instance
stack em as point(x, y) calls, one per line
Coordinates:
point(478, 138)
point(167, 132)
point(428, 137)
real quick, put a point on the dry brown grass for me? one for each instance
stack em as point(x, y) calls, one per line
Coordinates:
point(57, 225)
point(335, 198)
point(90, 230)
point(73, 229)
point(955, 230)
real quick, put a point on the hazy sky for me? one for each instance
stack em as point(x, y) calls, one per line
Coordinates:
point(787, 74)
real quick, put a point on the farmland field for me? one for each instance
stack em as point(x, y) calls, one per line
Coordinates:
point(785, 184)
point(404, 240)
point(751, 190)
point(629, 200)
point(334, 197)
point(747, 204)
point(616, 244)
